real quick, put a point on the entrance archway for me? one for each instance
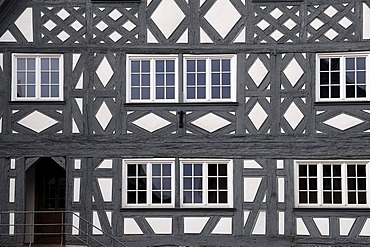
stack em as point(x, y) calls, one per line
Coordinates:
point(46, 196)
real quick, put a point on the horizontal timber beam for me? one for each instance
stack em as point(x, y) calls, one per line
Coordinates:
point(188, 146)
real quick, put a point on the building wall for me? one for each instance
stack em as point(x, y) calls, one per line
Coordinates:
point(274, 121)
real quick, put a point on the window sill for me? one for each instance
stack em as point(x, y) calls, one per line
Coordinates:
point(183, 104)
point(332, 209)
point(331, 103)
point(37, 102)
point(152, 209)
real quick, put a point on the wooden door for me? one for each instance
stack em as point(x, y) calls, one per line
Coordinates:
point(50, 201)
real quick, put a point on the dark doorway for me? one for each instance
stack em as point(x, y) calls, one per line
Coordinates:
point(50, 194)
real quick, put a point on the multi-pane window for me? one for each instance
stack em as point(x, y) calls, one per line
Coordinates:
point(148, 183)
point(206, 183)
point(211, 78)
point(343, 77)
point(152, 79)
point(37, 77)
point(328, 184)
point(155, 78)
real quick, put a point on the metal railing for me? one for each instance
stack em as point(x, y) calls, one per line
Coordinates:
point(84, 236)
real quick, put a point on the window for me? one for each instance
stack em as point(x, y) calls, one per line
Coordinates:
point(148, 183)
point(152, 79)
point(203, 183)
point(343, 77)
point(332, 183)
point(206, 183)
point(37, 77)
point(155, 78)
point(210, 78)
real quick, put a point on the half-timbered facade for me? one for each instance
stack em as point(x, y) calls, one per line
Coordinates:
point(185, 122)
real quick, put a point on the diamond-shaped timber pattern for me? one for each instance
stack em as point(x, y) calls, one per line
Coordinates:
point(337, 22)
point(38, 121)
point(257, 72)
point(294, 116)
point(199, 122)
point(63, 25)
point(257, 119)
point(222, 26)
point(293, 76)
point(106, 67)
point(151, 122)
point(277, 24)
point(116, 25)
point(176, 26)
point(105, 112)
point(337, 121)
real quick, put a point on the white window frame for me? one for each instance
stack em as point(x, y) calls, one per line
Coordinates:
point(37, 57)
point(319, 164)
point(152, 58)
point(342, 56)
point(205, 203)
point(208, 58)
point(149, 203)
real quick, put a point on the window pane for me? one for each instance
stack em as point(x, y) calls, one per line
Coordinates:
point(141, 197)
point(361, 77)
point(303, 184)
point(226, 79)
point(337, 183)
point(324, 92)
point(166, 197)
point(198, 170)
point(327, 197)
point(31, 78)
point(215, 65)
point(201, 79)
point(135, 66)
point(156, 184)
point(159, 93)
point(324, 64)
point(170, 93)
point(159, 79)
point(54, 78)
point(201, 65)
point(350, 63)
point(198, 184)
point(212, 196)
point(212, 183)
point(313, 197)
point(145, 66)
point(312, 170)
point(54, 91)
point(222, 183)
point(159, 65)
point(222, 196)
point(135, 80)
point(361, 170)
point(303, 197)
point(187, 197)
point(351, 183)
point(226, 94)
point(141, 183)
point(222, 169)
point(362, 198)
point(350, 91)
point(335, 92)
point(302, 170)
point(31, 91)
point(361, 63)
point(335, 63)
point(21, 63)
point(170, 66)
point(190, 79)
point(326, 170)
point(131, 170)
point(166, 184)
point(131, 197)
point(31, 63)
point(156, 169)
point(187, 170)
point(44, 91)
point(198, 197)
point(335, 78)
point(337, 197)
point(324, 78)
point(190, 93)
point(201, 93)
point(188, 183)
point(21, 91)
point(215, 79)
point(361, 183)
point(170, 79)
point(44, 78)
point(191, 65)
point(45, 64)
point(145, 80)
point(313, 183)
point(55, 63)
point(350, 77)
point(142, 170)
point(135, 93)
point(212, 170)
point(21, 78)
point(156, 197)
point(166, 170)
point(145, 93)
point(131, 183)
point(226, 65)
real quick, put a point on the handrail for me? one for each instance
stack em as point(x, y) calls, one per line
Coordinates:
point(88, 234)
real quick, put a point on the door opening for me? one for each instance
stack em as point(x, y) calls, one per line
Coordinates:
point(48, 181)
